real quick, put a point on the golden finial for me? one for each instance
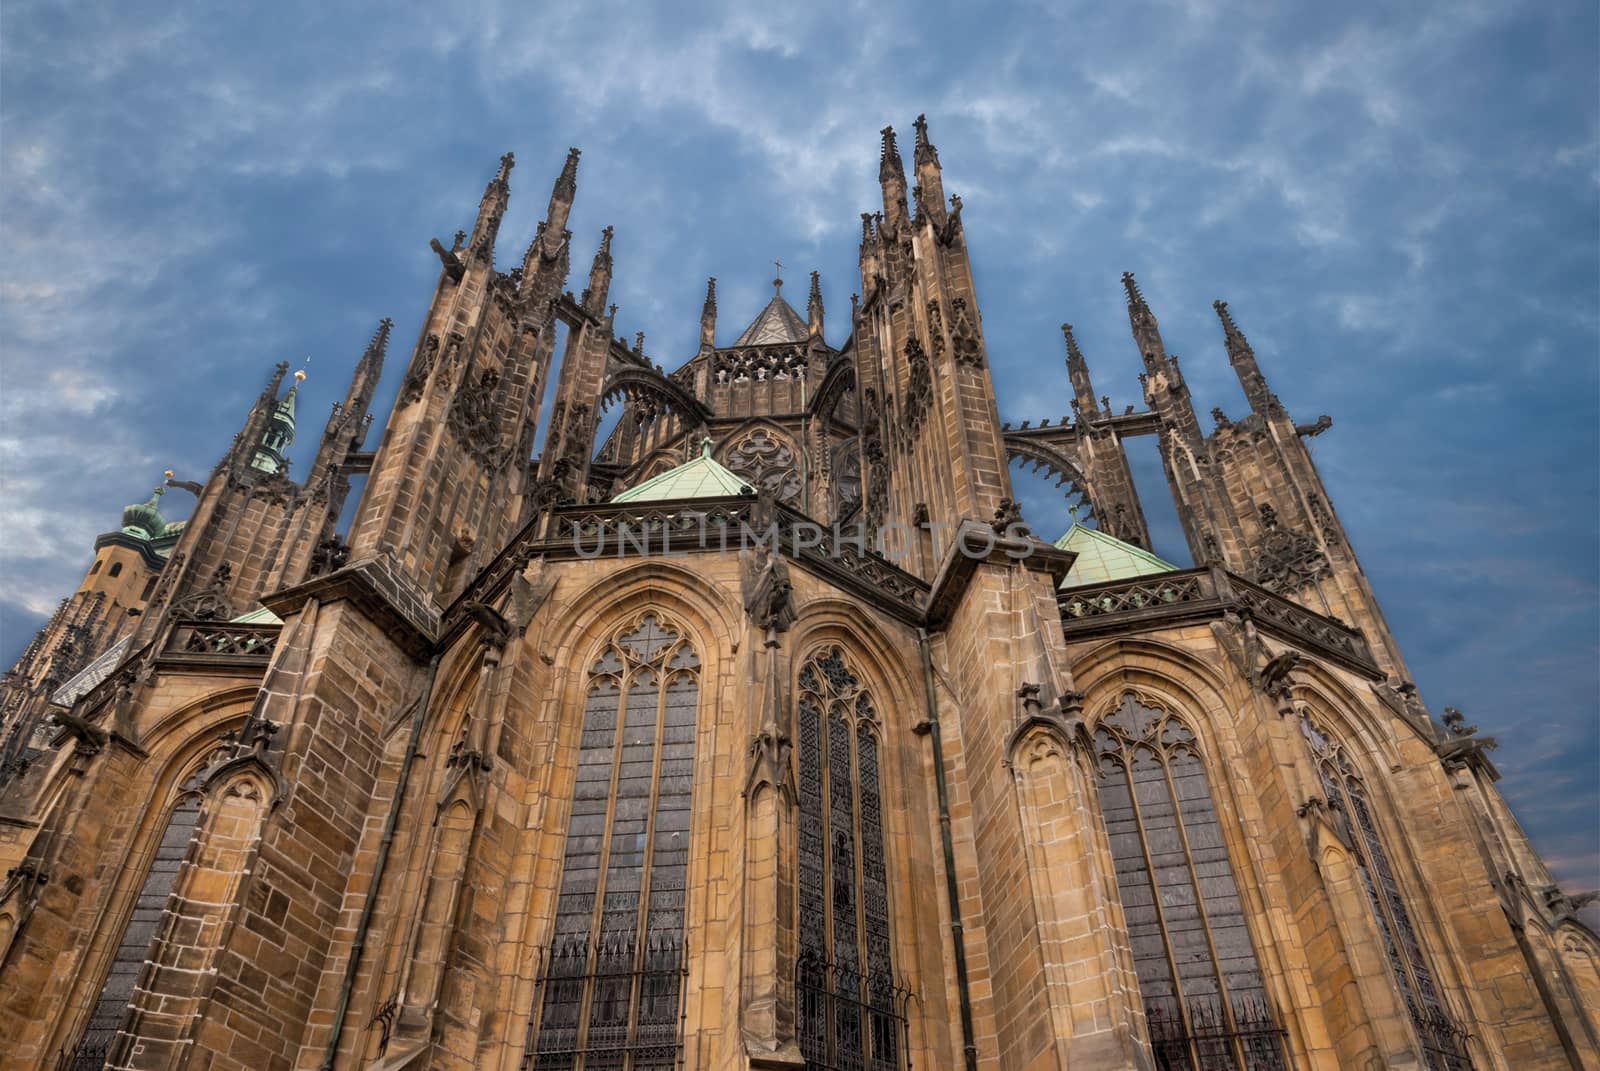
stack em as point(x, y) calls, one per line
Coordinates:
point(167, 474)
point(300, 376)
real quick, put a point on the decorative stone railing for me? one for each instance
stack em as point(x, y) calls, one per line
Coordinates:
point(728, 525)
point(1164, 599)
point(220, 645)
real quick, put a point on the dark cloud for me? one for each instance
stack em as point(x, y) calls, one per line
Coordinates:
point(1399, 201)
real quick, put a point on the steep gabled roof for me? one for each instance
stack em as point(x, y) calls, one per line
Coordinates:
point(778, 322)
point(701, 478)
point(1102, 558)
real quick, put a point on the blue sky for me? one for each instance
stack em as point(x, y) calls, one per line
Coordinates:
point(1401, 203)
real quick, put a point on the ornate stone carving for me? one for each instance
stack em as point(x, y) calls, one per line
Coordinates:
point(330, 554)
point(919, 392)
point(416, 380)
point(208, 603)
point(1286, 559)
point(768, 593)
point(1267, 673)
point(472, 418)
point(964, 335)
point(767, 464)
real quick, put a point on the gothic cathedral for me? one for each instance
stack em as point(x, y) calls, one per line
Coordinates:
point(755, 729)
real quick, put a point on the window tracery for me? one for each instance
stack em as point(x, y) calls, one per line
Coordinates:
point(1443, 1040)
point(851, 1010)
point(1205, 1004)
point(612, 986)
point(768, 464)
point(111, 1007)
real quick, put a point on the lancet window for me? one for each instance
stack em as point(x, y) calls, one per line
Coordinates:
point(1443, 1040)
point(111, 1007)
point(613, 975)
point(1205, 1005)
point(851, 1010)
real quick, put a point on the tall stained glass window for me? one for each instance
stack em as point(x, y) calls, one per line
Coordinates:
point(613, 975)
point(111, 1008)
point(852, 1012)
point(1204, 1001)
point(1443, 1040)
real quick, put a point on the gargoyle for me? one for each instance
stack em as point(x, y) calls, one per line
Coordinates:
point(496, 629)
point(90, 738)
point(1311, 431)
point(452, 263)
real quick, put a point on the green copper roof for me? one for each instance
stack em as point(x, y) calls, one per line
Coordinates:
point(1103, 558)
point(700, 478)
point(259, 616)
point(143, 519)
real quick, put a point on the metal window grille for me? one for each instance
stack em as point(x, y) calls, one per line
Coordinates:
point(1205, 1004)
point(852, 1012)
point(613, 980)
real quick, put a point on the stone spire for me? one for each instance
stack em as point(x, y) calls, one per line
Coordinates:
point(892, 177)
point(594, 296)
point(708, 315)
point(1164, 388)
point(1243, 359)
point(930, 181)
point(1078, 372)
point(491, 210)
point(814, 307)
point(552, 230)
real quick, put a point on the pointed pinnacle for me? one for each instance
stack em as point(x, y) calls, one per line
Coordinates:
point(1135, 298)
point(1073, 353)
point(567, 184)
point(380, 340)
point(925, 153)
point(816, 289)
point(889, 164)
point(507, 162)
point(605, 243)
point(711, 296)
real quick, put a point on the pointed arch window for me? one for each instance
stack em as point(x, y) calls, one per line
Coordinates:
point(1205, 1004)
point(1443, 1040)
point(111, 1007)
point(613, 975)
point(851, 1010)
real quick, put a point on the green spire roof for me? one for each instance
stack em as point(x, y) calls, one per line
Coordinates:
point(700, 478)
point(1102, 558)
point(143, 519)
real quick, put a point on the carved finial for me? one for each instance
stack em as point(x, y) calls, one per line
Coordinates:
point(1136, 302)
point(710, 307)
point(507, 162)
point(567, 183)
point(380, 341)
point(866, 227)
point(925, 152)
point(638, 342)
point(816, 290)
point(889, 163)
point(1073, 353)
